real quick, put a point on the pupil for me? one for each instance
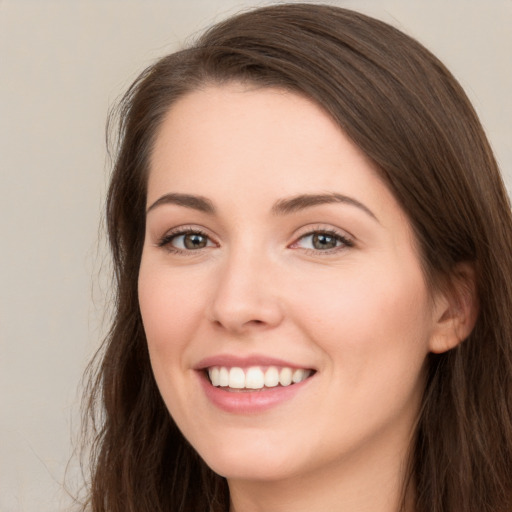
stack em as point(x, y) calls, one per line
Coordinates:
point(194, 241)
point(323, 241)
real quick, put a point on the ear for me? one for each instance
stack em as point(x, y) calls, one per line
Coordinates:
point(455, 309)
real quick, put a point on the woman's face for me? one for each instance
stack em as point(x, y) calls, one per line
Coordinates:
point(274, 252)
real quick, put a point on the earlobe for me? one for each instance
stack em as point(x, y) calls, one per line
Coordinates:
point(455, 309)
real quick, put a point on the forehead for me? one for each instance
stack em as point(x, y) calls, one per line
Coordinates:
point(243, 113)
point(214, 127)
point(258, 141)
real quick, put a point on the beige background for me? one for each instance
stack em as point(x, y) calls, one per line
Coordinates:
point(63, 63)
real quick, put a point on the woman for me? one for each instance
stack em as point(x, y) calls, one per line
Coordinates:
point(312, 247)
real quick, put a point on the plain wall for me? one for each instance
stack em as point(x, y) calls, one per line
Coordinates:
point(63, 64)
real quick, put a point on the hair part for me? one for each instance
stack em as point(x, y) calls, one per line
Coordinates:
point(406, 112)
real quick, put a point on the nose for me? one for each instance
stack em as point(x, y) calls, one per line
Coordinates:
point(245, 297)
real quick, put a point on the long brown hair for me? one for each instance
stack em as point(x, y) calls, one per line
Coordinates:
point(404, 109)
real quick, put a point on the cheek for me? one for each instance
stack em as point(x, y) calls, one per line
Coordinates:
point(374, 331)
point(171, 308)
point(369, 319)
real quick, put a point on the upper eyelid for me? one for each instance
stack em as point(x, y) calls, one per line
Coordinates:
point(323, 228)
point(185, 229)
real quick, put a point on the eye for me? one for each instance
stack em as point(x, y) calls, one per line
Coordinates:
point(325, 240)
point(186, 240)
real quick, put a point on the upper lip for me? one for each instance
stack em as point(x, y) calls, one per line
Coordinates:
point(230, 360)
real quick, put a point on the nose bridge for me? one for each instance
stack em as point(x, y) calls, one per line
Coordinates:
point(245, 293)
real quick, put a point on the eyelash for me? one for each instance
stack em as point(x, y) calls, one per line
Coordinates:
point(168, 238)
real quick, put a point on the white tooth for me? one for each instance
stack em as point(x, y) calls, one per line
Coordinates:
point(236, 378)
point(285, 376)
point(298, 375)
point(271, 377)
point(214, 375)
point(223, 377)
point(254, 378)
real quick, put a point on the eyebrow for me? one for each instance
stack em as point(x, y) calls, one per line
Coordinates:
point(303, 201)
point(199, 203)
point(281, 207)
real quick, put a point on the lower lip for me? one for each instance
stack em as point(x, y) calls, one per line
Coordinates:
point(249, 402)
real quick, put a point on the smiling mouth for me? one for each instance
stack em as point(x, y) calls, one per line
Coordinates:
point(255, 377)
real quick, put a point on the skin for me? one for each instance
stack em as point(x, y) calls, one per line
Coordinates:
point(360, 314)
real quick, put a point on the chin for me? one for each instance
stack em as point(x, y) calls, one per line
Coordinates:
point(235, 464)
